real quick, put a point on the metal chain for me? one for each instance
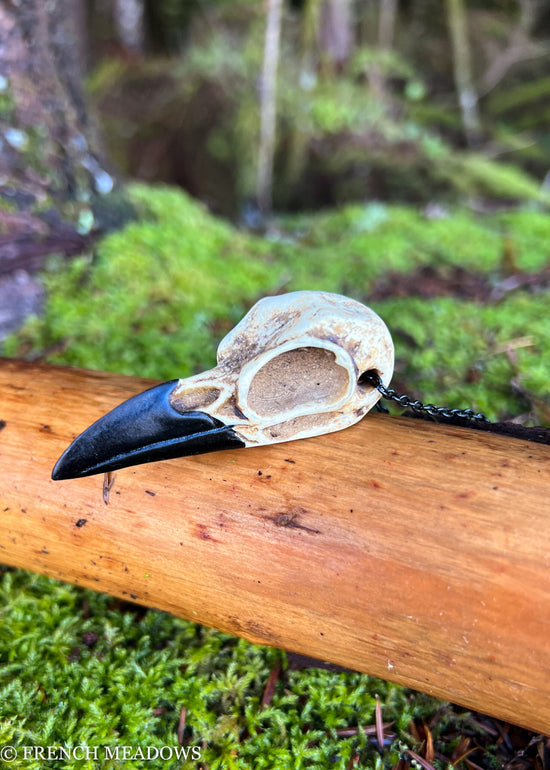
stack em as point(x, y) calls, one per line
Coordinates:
point(373, 378)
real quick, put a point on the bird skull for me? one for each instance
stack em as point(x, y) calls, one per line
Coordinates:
point(289, 370)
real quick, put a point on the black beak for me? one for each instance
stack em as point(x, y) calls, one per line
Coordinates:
point(141, 430)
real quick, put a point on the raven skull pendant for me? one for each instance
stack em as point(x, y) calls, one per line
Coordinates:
point(292, 368)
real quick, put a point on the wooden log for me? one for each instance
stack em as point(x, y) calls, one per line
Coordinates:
point(411, 551)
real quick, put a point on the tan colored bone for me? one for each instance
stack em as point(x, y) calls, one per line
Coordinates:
point(290, 369)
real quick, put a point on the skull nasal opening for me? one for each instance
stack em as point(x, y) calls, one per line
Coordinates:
point(307, 377)
point(195, 398)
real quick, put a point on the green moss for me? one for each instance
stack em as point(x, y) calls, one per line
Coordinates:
point(477, 175)
point(76, 668)
point(454, 351)
point(352, 248)
point(7, 103)
point(529, 233)
point(7, 206)
point(146, 301)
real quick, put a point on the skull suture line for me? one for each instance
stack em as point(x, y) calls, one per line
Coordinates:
point(289, 370)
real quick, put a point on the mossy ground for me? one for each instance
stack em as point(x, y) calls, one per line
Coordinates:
point(153, 300)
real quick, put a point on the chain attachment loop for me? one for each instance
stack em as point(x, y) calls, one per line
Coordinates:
point(373, 378)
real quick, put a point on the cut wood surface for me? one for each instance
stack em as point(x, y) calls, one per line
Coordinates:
point(411, 551)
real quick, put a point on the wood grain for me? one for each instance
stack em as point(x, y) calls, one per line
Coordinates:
point(414, 552)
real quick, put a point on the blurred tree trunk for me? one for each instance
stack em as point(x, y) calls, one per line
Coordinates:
point(49, 164)
point(336, 34)
point(268, 104)
point(130, 24)
point(386, 24)
point(386, 27)
point(464, 82)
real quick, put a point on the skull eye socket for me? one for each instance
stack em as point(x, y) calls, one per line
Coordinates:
point(303, 378)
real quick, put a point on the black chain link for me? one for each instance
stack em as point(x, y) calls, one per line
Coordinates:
point(373, 378)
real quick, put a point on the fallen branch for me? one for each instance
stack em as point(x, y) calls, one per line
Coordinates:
point(411, 551)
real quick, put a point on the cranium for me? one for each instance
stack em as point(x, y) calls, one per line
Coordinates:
point(292, 368)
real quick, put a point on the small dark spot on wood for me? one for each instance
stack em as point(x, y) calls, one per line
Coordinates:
point(133, 596)
point(268, 476)
point(259, 473)
point(148, 492)
point(284, 519)
point(44, 550)
point(126, 569)
point(81, 522)
point(93, 562)
point(495, 487)
point(46, 428)
point(290, 519)
point(292, 462)
point(23, 510)
point(3, 424)
point(204, 534)
point(375, 484)
point(351, 510)
point(258, 630)
point(6, 508)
